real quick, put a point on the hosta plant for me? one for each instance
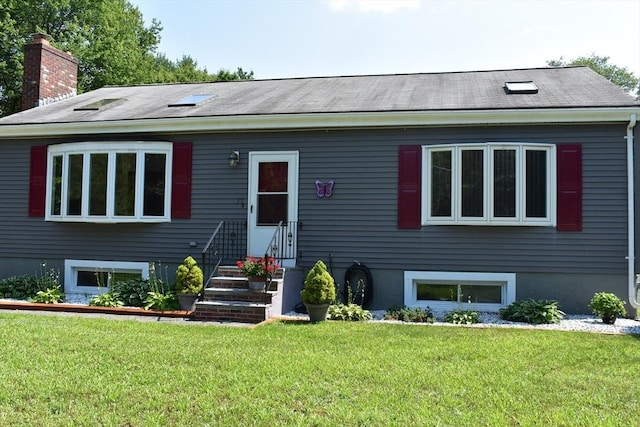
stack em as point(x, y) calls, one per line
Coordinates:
point(107, 299)
point(49, 296)
point(406, 314)
point(352, 312)
point(533, 311)
point(462, 317)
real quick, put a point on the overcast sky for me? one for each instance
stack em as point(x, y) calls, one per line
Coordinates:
point(301, 38)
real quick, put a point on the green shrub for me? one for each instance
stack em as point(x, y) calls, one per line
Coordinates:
point(107, 299)
point(406, 314)
point(532, 311)
point(607, 305)
point(462, 317)
point(132, 292)
point(352, 312)
point(49, 296)
point(27, 286)
point(319, 287)
point(160, 301)
point(189, 277)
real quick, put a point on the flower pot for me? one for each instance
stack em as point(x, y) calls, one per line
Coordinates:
point(317, 312)
point(256, 284)
point(187, 301)
point(609, 319)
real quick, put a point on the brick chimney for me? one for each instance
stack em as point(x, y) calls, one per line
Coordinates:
point(50, 74)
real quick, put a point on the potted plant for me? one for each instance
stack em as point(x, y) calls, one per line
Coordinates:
point(189, 280)
point(318, 292)
point(257, 270)
point(607, 306)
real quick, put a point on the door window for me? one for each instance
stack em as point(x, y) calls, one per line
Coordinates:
point(273, 197)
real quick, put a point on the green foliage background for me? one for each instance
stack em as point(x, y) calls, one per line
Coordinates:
point(109, 38)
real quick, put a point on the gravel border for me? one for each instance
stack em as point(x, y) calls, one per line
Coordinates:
point(582, 323)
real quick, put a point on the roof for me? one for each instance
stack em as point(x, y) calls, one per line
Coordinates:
point(558, 88)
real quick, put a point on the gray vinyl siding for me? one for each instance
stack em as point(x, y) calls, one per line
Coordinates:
point(359, 220)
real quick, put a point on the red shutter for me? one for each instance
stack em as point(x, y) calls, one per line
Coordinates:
point(409, 185)
point(38, 180)
point(181, 180)
point(569, 173)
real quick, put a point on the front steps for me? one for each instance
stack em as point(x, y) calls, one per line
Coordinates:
point(227, 298)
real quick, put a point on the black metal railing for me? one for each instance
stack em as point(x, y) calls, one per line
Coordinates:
point(284, 243)
point(227, 244)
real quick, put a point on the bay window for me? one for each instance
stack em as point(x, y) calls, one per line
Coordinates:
point(109, 182)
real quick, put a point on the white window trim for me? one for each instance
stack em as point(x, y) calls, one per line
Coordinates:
point(488, 218)
point(72, 266)
point(111, 148)
point(506, 280)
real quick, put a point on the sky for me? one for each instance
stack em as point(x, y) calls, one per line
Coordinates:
point(308, 38)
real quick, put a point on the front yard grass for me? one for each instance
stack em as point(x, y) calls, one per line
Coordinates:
point(63, 371)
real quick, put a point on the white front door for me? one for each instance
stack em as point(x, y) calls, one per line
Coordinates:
point(273, 196)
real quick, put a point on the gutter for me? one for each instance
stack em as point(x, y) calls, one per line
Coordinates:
point(631, 213)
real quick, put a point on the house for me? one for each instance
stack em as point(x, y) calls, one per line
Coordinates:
point(458, 188)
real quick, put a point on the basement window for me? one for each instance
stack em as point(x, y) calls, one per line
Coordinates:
point(527, 87)
point(446, 291)
point(96, 106)
point(190, 101)
point(93, 277)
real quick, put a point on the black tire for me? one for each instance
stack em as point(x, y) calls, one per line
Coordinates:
point(358, 284)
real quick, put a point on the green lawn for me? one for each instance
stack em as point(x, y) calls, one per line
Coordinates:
point(63, 371)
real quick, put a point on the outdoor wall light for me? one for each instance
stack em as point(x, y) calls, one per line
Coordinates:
point(234, 159)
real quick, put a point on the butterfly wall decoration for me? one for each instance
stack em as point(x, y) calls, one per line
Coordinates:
point(324, 189)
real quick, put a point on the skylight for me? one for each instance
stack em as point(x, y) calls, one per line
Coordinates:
point(527, 87)
point(190, 101)
point(95, 106)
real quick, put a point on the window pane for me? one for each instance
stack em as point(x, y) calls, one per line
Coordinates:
point(98, 184)
point(504, 183)
point(536, 191)
point(272, 208)
point(272, 177)
point(481, 294)
point(154, 174)
point(441, 183)
point(74, 186)
point(433, 292)
point(125, 196)
point(56, 191)
point(92, 278)
point(472, 183)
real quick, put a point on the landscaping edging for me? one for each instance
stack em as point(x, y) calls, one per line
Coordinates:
point(79, 308)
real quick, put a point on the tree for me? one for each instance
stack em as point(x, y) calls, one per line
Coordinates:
point(109, 38)
point(620, 76)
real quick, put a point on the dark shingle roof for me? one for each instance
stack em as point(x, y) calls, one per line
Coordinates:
point(571, 87)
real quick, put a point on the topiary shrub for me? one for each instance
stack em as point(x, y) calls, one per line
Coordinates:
point(319, 287)
point(532, 311)
point(189, 277)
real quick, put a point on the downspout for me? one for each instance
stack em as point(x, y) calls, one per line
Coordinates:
point(631, 213)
